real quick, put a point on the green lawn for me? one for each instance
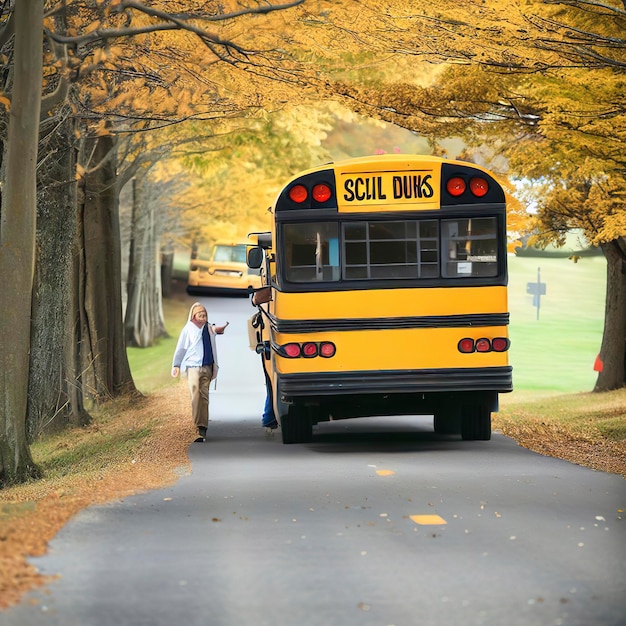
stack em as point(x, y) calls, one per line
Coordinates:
point(552, 354)
point(151, 366)
point(556, 352)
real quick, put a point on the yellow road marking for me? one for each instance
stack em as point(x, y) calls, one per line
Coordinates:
point(428, 520)
point(385, 472)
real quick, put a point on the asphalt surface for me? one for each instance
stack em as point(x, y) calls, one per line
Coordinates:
point(377, 522)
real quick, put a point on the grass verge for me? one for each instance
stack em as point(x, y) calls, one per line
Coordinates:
point(151, 366)
point(584, 428)
point(131, 446)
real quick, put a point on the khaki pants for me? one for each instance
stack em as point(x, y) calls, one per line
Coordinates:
point(199, 379)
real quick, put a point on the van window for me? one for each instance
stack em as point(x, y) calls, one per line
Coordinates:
point(230, 254)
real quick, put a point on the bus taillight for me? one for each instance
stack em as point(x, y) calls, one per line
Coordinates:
point(327, 349)
point(309, 350)
point(292, 350)
point(466, 346)
point(479, 187)
point(298, 194)
point(483, 345)
point(456, 186)
point(500, 344)
point(321, 192)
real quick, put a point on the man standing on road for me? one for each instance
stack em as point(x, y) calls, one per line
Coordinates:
point(196, 354)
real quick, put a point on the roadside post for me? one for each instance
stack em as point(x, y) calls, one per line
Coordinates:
point(537, 290)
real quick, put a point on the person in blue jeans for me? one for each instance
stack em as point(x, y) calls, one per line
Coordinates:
point(269, 417)
point(268, 420)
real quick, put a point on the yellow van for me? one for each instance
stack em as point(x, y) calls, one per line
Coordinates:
point(222, 270)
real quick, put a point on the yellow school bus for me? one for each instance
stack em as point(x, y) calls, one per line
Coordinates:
point(387, 280)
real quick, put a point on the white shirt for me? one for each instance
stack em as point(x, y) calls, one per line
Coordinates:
point(190, 348)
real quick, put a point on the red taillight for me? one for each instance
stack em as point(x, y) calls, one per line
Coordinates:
point(479, 187)
point(309, 350)
point(456, 186)
point(466, 345)
point(321, 192)
point(500, 344)
point(298, 193)
point(483, 345)
point(327, 349)
point(292, 350)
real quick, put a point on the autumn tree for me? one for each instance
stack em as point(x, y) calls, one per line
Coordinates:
point(543, 84)
point(55, 397)
point(17, 241)
point(82, 54)
point(139, 51)
point(267, 148)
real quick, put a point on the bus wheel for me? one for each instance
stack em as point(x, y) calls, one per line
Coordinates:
point(296, 426)
point(447, 422)
point(476, 423)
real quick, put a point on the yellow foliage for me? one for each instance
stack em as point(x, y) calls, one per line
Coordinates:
point(541, 83)
point(102, 129)
point(537, 82)
point(89, 28)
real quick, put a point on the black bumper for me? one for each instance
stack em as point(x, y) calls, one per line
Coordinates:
point(495, 379)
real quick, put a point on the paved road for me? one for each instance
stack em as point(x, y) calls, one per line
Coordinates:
point(377, 522)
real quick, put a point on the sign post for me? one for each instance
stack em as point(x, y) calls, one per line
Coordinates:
point(537, 290)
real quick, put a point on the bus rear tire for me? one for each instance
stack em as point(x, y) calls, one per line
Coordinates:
point(476, 423)
point(447, 422)
point(296, 426)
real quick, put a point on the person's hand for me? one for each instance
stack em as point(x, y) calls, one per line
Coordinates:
point(219, 330)
point(175, 371)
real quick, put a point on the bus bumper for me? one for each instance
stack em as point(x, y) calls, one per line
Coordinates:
point(498, 379)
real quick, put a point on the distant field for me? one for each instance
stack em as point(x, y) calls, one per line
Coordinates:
point(553, 354)
point(556, 352)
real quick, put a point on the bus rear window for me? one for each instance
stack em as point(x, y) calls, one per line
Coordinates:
point(390, 250)
point(470, 247)
point(398, 249)
point(312, 252)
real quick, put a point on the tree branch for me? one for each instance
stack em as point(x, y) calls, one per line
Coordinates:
point(173, 22)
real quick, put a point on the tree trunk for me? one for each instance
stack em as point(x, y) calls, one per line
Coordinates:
point(144, 321)
point(612, 352)
point(52, 385)
point(103, 351)
point(167, 269)
point(17, 242)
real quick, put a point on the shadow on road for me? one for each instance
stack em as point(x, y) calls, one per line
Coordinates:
point(388, 434)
